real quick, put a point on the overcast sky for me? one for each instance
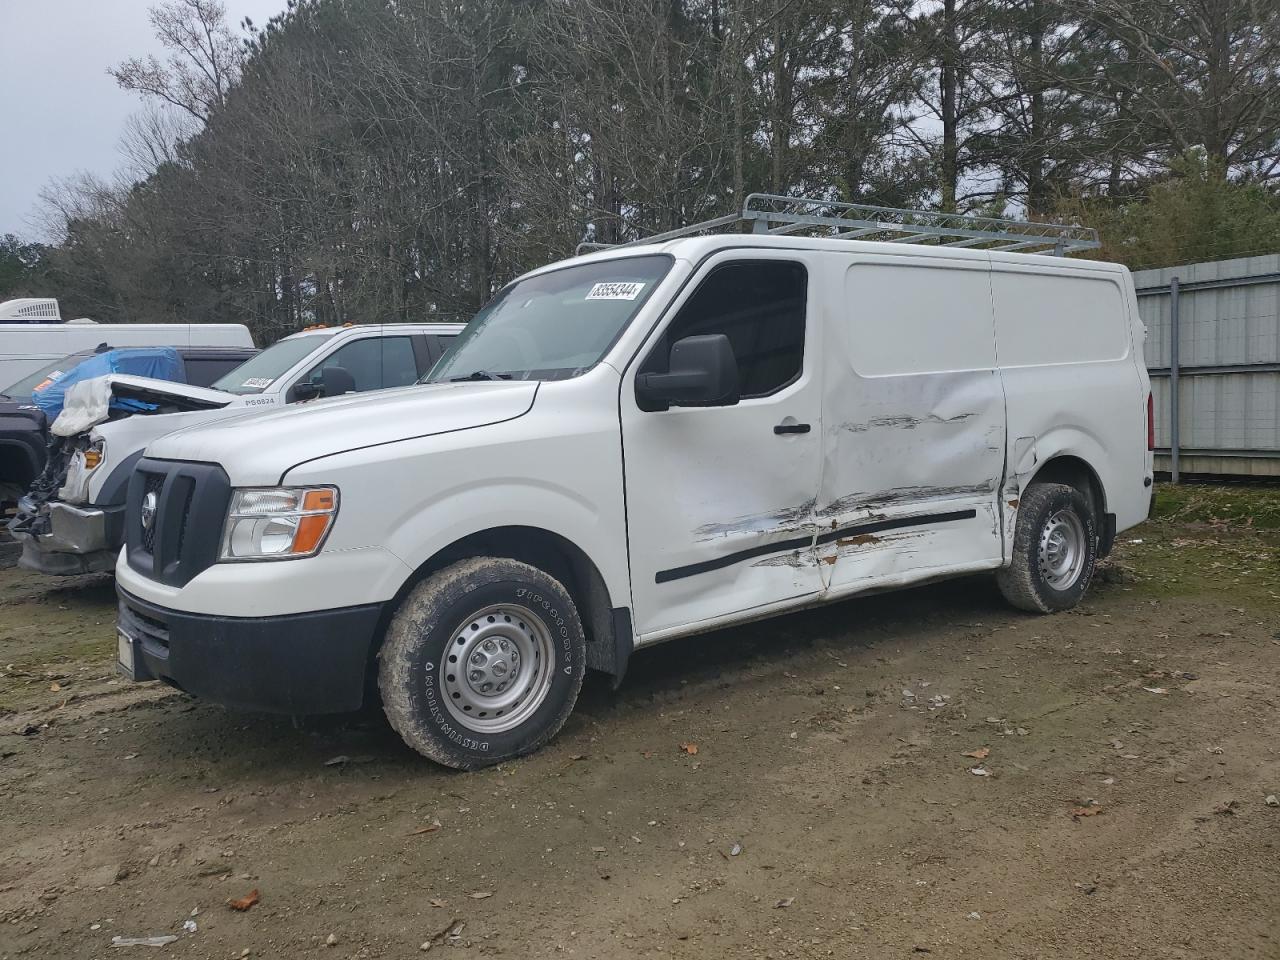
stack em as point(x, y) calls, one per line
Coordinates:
point(59, 111)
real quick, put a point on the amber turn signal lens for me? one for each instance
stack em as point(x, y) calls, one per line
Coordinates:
point(318, 500)
point(311, 531)
point(92, 458)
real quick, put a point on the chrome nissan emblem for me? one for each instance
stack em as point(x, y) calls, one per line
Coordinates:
point(149, 511)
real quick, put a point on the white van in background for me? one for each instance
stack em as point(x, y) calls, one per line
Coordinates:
point(32, 334)
point(647, 443)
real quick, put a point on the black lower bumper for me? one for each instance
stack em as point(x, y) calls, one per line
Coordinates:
point(306, 663)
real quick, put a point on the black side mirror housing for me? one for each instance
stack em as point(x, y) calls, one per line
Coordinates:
point(702, 372)
point(335, 381)
point(305, 390)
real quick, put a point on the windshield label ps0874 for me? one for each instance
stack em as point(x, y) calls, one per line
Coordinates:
point(615, 291)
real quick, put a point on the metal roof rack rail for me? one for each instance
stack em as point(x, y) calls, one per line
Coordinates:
point(773, 214)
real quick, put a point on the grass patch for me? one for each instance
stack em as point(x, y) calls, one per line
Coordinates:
point(1254, 507)
point(1221, 541)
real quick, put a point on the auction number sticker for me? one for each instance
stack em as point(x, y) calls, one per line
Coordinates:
point(615, 291)
point(258, 382)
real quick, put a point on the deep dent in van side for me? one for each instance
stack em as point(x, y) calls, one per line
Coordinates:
point(952, 416)
point(904, 422)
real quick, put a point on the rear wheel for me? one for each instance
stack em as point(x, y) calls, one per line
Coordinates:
point(482, 662)
point(1055, 549)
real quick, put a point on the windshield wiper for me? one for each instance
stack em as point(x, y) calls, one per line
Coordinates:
point(481, 375)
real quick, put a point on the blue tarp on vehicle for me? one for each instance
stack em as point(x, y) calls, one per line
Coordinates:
point(159, 363)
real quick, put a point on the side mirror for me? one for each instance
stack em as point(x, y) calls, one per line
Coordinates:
point(702, 372)
point(305, 390)
point(336, 381)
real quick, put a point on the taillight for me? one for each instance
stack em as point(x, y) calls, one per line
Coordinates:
point(1151, 422)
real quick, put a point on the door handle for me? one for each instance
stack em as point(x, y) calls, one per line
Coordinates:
point(782, 428)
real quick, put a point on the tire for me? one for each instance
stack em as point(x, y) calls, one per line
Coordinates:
point(517, 631)
point(1055, 549)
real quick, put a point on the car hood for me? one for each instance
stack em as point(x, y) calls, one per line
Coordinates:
point(88, 402)
point(260, 448)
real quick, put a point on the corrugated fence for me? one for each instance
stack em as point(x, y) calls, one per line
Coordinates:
point(1225, 364)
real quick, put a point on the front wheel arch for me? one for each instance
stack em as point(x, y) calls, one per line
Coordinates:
point(454, 644)
point(609, 635)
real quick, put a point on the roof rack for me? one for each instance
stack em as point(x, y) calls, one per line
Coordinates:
point(772, 214)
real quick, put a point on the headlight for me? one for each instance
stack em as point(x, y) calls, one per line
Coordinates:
point(278, 523)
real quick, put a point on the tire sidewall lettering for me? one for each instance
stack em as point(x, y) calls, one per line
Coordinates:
point(437, 716)
point(558, 621)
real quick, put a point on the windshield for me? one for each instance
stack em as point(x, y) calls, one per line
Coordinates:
point(259, 372)
point(26, 387)
point(552, 326)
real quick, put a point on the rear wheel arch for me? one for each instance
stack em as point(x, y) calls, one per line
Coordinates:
point(1077, 472)
point(1054, 550)
point(1074, 472)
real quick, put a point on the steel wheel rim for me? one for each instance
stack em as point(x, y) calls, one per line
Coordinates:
point(1062, 550)
point(496, 670)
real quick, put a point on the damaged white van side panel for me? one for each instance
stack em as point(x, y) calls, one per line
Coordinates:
point(916, 423)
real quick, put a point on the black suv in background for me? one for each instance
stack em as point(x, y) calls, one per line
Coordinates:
point(24, 431)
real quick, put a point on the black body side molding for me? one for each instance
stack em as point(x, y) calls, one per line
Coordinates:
point(801, 543)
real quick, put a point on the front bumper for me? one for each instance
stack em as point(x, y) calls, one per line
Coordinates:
point(68, 540)
point(299, 664)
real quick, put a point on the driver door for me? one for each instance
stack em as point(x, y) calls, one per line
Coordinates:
point(720, 499)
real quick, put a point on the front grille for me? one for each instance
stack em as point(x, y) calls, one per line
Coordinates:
point(186, 505)
point(186, 491)
point(152, 485)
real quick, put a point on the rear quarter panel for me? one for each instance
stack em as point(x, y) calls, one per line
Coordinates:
point(1069, 344)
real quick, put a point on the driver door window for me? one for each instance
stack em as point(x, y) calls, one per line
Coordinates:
point(760, 306)
point(374, 363)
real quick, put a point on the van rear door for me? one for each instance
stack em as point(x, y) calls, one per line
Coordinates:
point(915, 418)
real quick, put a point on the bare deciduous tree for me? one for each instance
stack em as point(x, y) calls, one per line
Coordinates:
point(203, 61)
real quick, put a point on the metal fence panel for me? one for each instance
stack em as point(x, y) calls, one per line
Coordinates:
point(1228, 358)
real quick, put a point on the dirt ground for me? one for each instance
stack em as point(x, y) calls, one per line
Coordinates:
point(834, 806)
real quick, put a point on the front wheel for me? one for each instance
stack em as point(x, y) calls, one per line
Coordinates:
point(1055, 549)
point(483, 662)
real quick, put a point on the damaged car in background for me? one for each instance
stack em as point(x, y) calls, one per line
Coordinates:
point(24, 424)
point(71, 520)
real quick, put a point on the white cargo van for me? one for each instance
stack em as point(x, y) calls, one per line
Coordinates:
point(32, 335)
point(645, 443)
